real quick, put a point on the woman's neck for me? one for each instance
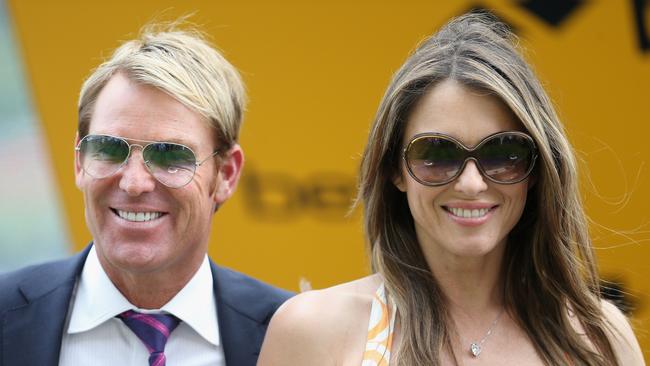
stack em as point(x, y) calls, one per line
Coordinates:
point(471, 284)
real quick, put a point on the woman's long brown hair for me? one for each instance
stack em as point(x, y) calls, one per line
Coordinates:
point(549, 266)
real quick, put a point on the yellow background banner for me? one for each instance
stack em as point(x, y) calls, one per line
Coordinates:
point(315, 73)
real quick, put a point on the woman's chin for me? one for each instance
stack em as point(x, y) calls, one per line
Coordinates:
point(473, 249)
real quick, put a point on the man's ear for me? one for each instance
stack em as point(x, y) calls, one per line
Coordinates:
point(78, 170)
point(230, 167)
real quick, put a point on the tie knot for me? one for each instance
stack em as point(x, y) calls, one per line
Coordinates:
point(152, 329)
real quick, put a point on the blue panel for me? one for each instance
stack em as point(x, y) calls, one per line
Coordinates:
point(32, 223)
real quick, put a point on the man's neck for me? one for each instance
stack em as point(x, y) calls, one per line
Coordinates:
point(150, 290)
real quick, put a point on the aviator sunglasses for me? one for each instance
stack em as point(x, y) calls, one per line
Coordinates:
point(170, 163)
point(434, 159)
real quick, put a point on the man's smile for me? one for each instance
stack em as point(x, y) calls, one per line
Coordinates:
point(138, 216)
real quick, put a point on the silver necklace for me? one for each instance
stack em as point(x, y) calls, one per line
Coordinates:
point(476, 347)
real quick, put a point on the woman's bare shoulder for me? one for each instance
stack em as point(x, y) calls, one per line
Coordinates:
point(329, 301)
point(623, 340)
point(315, 327)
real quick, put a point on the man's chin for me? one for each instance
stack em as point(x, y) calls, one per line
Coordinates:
point(133, 257)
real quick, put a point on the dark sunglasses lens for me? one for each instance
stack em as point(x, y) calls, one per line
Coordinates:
point(172, 164)
point(506, 158)
point(434, 159)
point(101, 156)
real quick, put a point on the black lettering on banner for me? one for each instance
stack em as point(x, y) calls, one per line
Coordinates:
point(553, 12)
point(274, 196)
point(641, 16)
point(278, 197)
point(614, 289)
point(329, 195)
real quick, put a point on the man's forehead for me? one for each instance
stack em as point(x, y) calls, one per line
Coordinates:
point(145, 113)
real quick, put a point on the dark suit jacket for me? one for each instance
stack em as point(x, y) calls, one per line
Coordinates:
point(34, 302)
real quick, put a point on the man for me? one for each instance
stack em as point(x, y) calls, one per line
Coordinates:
point(156, 156)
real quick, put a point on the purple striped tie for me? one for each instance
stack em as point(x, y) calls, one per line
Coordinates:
point(153, 330)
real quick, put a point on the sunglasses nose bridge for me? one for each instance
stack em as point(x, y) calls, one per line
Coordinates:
point(470, 180)
point(142, 149)
point(131, 148)
point(473, 159)
point(135, 177)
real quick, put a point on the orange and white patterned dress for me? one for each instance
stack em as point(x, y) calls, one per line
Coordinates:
point(380, 330)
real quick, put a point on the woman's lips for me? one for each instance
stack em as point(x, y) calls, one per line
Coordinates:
point(470, 215)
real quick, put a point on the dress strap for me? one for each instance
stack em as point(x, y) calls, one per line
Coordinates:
point(380, 330)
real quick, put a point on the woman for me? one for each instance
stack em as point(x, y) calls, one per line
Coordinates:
point(478, 237)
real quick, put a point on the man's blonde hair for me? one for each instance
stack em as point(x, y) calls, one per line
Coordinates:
point(182, 64)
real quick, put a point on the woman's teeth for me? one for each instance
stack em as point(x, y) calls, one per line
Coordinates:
point(467, 213)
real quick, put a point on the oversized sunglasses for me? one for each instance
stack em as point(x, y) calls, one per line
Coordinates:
point(170, 163)
point(434, 159)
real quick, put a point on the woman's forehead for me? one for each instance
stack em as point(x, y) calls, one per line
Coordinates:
point(465, 113)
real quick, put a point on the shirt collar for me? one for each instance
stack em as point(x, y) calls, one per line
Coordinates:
point(195, 305)
point(98, 300)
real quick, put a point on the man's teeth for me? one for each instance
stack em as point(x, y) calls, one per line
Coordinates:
point(138, 216)
point(466, 213)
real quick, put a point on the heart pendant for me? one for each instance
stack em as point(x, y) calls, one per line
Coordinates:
point(475, 349)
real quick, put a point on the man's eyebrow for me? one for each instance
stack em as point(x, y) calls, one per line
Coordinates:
point(174, 140)
point(181, 141)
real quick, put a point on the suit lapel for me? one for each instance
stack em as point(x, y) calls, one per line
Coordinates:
point(240, 337)
point(241, 333)
point(32, 332)
point(39, 325)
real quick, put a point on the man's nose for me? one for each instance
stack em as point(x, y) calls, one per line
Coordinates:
point(135, 177)
point(470, 181)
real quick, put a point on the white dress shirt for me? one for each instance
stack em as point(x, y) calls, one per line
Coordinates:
point(94, 336)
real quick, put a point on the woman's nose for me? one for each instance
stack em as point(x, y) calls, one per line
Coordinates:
point(470, 181)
